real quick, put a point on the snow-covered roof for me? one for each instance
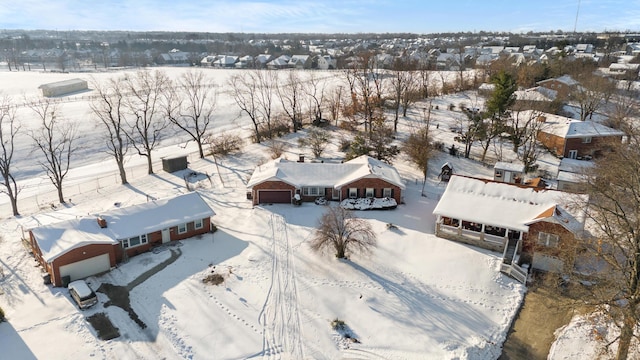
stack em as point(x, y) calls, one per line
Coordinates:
point(571, 128)
point(508, 205)
point(574, 165)
point(572, 177)
point(57, 239)
point(60, 238)
point(537, 93)
point(62, 83)
point(156, 215)
point(513, 167)
point(303, 174)
point(565, 79)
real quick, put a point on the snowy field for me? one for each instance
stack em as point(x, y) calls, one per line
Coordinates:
point(415, 297)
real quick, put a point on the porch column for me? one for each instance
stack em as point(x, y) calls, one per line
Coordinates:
point(482, 233)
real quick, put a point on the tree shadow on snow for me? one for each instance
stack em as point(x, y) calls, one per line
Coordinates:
point(418, 305)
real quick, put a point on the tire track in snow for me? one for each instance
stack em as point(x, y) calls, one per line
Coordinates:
point(280, 315)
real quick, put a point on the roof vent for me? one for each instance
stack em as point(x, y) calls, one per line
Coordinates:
point(102, 222)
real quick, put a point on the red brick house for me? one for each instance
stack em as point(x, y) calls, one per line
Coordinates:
point(539, 227)
point(575, 139)
point(563, 85)
point(363, 177)
point(78, 248)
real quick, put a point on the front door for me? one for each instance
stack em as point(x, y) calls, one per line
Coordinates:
point(573, 154)
point(336, 194)
point(166, 236)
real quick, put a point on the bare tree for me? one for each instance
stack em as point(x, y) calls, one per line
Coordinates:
point(316, 139)
point(267, 81)
point(290, 95)
point(244, 90)
point(593, 92)
point(109, 107)
point(614, 208)
point(625, 105)
point(364, 95)
point(190, 104)
point(335, 103)
point(315, 90)
point(55, 139)
point(339, 231)
point(424, 77)
point(418, 148)
point(528, 149)
point(145, 90)
point(402, 84)
point(9, 129)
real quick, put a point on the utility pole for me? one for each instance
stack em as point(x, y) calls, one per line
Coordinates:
point(427, 120)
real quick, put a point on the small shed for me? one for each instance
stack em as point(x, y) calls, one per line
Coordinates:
point(174, 164)
point(508, 172)
point(63, 87)
point(446, 170)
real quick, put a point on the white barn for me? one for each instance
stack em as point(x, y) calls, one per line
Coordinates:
point(64, 87)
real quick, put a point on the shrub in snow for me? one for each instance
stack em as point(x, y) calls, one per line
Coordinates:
point(369, 204)
point(213, 279)
point(2, 318)
point(225, 144)
point(345, 332)
point(338, 325)
point(276, 148)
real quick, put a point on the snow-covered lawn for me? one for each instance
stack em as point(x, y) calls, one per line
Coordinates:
point(415, 297)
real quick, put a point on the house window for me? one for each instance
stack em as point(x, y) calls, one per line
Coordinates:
point(312, 191)
point(197, 224)
point(387, 192)
point(586, 140)
point(370, 192)
point(134, 241)
point(548, 240)
point(498, 173)
point(182, 228)
point(353, 193)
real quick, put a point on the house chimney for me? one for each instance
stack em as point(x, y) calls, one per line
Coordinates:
point(542, 118)
point(102, 222)
point(301, 158)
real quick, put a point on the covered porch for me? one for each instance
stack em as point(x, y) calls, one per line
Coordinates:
point(496, 238)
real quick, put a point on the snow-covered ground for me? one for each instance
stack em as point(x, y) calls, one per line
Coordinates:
point(415, 297)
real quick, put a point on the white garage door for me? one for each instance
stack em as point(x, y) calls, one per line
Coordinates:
point(82, 269)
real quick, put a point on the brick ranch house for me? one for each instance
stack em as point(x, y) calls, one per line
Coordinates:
point(363, 177)
point(82, 247)
point(563, 85)
point(538, 227)
point(575, 139)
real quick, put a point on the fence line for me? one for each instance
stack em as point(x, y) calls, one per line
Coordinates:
point(46, 196)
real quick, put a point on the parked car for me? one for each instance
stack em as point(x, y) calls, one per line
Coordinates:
point(82, 294)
